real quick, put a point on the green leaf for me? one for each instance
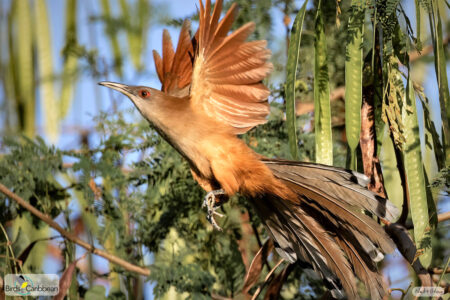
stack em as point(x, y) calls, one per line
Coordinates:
point(45, 64)
point(97, 292)
point(291, 78)
point(353, 78)
point(415, 177)
point(322, 112)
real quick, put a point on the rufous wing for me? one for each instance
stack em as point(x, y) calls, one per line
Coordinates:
point(174, 68)
point(228, 71)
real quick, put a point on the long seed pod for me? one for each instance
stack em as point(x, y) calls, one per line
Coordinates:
point(25, 66)
point(136, 30)
point(415, 177)
point(70, 60)
point(441, 75)
point(46, 74)
point(391, 174)
point(322, 112)
point(353, 78)
point(113, 38)
point(291, 78)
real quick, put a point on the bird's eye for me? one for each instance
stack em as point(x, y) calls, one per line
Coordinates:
point(144, 93)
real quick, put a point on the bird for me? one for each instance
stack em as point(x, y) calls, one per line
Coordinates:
point(211, 92)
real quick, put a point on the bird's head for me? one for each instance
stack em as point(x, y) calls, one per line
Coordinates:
point(150, 102)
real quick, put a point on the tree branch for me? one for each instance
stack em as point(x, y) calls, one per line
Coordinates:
point(440, 218)
point(71, 237)
point(407, 248)
point(438, 270)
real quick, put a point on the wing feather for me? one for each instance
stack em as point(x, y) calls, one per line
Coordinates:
point(251, 93)
point(174, 69)
point(227, 73)
point(168, 52)
point(158, 65)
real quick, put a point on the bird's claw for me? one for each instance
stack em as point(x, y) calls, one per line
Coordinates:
point(211, 206)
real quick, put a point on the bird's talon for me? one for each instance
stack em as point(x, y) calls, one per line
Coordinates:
point(217, 214)
point(211, 206)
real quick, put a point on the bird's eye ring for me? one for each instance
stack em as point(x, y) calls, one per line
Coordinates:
point(144, 93)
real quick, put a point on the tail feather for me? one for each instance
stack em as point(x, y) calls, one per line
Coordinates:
point(334, 256)
point(325, 225)
point(366, 272)
point(299, 237)
point(337, 209)
point(348, 184)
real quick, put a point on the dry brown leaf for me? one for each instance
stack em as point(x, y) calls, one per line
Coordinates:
point(66, 279)
point(274, 288)
point(256, 266)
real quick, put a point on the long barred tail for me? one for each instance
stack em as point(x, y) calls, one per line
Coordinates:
point(326, 226)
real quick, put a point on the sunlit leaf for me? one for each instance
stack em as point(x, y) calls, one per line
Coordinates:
point(97, 292)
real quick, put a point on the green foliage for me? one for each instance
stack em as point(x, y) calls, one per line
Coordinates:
point(29, 169)
point(257, 11)
point(97, 292)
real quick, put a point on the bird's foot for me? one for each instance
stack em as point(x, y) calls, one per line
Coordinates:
point(211, 206)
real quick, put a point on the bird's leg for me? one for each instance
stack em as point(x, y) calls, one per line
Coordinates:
point(212, 205)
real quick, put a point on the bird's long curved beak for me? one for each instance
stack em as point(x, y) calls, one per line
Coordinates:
point(123, 88)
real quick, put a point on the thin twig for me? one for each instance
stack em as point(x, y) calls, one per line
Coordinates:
point(256, 294)
point(445, 268)
point(258, 238)
point(71, 237)
point(10, 247)
point(438, 270)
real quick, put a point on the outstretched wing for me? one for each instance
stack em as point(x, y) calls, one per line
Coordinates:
point(227, 74)
point(174, 69)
